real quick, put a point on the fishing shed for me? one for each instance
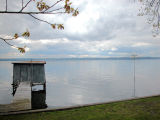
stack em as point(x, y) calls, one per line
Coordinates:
point(32, 72)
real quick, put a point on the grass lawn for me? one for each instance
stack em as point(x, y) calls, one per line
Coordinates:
point(140, 109)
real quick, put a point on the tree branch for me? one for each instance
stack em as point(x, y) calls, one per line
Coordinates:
point(39, 19)
point(43, 9)
point(22, 3)
point(54, 5)
point(11, 12)
point(6, 5)
point(5, 40)
point(21, 49)
point(56, 9)
point(25, 6)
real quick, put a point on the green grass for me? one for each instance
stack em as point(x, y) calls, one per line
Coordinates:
point(140, 109)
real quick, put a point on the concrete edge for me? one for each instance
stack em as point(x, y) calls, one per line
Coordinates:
point(72, 107)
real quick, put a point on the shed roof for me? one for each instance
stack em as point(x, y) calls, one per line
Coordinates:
point(30, 62)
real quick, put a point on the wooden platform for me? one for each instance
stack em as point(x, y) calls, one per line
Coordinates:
point(21, 99)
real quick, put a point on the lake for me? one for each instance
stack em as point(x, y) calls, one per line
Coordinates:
point(85, 81)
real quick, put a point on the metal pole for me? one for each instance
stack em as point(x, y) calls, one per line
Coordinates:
point(134, 79)
point(134, 74)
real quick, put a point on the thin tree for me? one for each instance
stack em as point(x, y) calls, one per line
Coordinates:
point(42, 8)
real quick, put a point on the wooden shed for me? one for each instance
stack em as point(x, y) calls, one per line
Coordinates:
point(29, 71)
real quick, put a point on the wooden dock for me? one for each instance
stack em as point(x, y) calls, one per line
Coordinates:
point(21, 99)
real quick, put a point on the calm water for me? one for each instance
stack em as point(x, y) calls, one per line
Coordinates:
point(72, 82)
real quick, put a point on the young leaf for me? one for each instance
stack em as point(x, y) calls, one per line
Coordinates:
point(26, 34)
point(76, 12)
point(53, 26)
point(16, 36)
point(21, 50)
point(60, 26)
point(42, 5)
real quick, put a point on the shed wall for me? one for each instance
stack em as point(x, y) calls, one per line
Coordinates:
point(34, 73)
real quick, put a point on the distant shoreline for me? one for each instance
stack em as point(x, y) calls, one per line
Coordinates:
point(50, 59)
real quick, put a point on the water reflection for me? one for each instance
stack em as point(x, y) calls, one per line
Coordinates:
point(83, 82)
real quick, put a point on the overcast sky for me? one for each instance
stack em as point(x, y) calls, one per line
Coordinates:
point(103, 28)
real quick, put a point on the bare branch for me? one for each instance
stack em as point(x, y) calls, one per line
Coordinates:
point(6, 5)
point(5, 40)
point(54, 5)
point(25, 6)
point(21, 49)
point(8, 39)
point(39, 19)
point(22, 4)
point(56, 9)
point(11, 12)
point(10, 44)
